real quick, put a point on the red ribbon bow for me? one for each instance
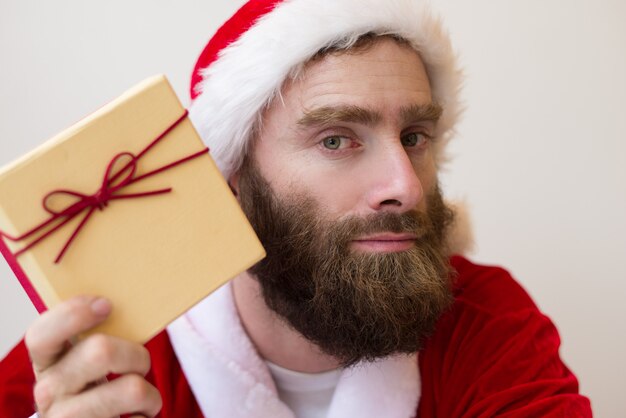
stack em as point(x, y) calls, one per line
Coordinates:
point(99, 200)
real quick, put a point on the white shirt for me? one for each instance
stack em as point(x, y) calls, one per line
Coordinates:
point(308, 395)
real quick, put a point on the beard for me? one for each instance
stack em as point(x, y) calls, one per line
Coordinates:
point(354, 306)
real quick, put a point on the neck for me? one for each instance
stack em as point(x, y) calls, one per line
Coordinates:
point(273, 338)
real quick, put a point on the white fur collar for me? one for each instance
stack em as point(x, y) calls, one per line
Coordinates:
point(230, 380)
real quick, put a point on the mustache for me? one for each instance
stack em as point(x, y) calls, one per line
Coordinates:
point(413, 222)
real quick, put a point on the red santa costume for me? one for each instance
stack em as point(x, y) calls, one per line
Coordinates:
point(492, 354)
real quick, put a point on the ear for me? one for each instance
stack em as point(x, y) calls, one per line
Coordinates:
point(233, 183)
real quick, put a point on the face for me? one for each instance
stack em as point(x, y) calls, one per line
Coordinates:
point(341, 189)
point(354, 132)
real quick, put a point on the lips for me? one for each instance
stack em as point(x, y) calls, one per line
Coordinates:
point(385, 242)
point(389, 237)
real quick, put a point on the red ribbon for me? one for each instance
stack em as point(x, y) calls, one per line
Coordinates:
point(111, 185)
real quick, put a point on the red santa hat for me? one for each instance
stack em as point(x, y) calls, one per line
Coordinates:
point(245, 64)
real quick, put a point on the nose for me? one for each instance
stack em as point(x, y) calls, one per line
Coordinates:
point(395, 185)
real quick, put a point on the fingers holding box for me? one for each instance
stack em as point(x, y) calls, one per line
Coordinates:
point(67, 375)
point(48, 337)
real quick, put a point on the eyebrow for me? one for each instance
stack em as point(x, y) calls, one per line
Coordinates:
point(421, 113)
point(329, 115)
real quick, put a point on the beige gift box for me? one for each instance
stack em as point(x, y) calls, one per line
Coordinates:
point(153, 256)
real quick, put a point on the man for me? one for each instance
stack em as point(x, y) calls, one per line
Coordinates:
point(329, 121)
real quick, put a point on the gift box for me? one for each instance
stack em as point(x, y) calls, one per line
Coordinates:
point(127, 204)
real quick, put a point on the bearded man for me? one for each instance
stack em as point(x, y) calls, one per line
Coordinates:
point(329, 120)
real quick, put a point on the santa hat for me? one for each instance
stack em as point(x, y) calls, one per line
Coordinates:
point(245, 64)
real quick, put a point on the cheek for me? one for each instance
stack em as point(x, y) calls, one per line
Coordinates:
point(336, 198)
point(335, 190)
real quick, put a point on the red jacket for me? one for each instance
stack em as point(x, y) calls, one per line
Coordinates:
point(493, 354)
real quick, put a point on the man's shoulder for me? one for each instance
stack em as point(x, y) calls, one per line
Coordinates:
point(490, 309)
point(495, 353)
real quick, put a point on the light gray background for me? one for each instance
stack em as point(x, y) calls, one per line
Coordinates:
point(540, 155)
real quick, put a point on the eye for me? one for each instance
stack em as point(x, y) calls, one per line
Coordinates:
point(334, 142)
point(414, 139)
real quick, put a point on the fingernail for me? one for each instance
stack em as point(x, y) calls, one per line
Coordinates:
point(101, 307)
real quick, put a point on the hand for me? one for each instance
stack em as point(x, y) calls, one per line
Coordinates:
point(67, 375)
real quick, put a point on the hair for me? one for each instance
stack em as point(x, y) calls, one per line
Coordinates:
point(357, 44)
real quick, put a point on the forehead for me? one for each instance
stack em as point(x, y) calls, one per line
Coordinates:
point(385, 73)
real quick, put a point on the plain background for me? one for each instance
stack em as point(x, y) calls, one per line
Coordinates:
point(540, 157)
